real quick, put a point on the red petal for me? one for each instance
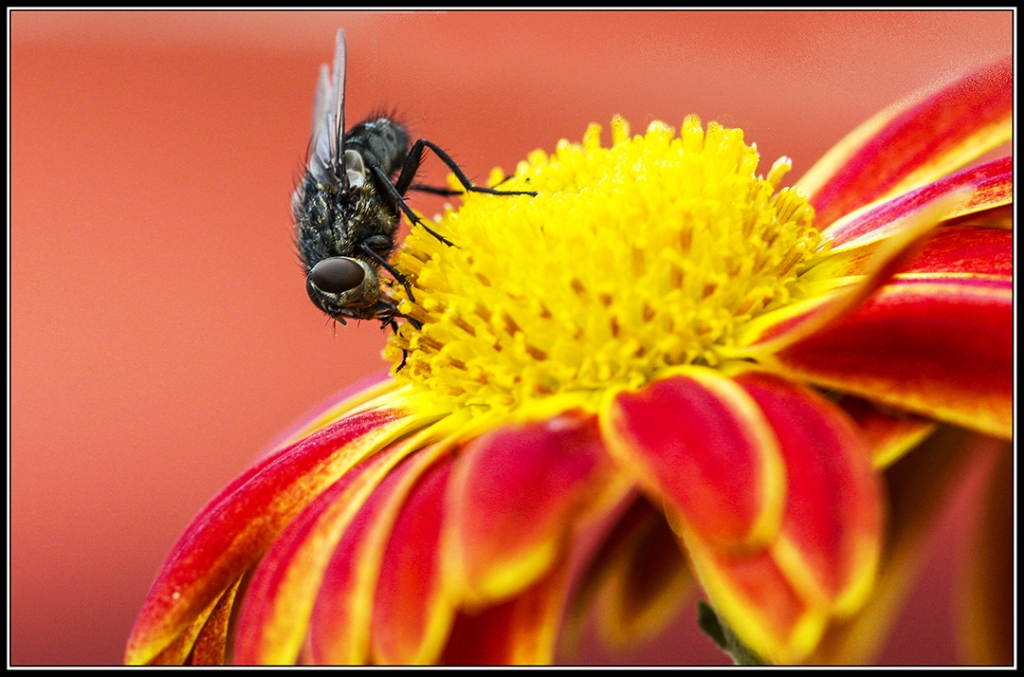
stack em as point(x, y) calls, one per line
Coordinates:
point(920, 487)
point(521, 631)
point(411, 618)
point(961, 121)
point(831, 533)
point(941, 348)
point(210, 645)
point(965, 250)
point(339, 628)
point(888, 435)
point(238, 525)
point(988, 185)
point(514, 495)
point(699, 443)
point(179, 650)
point(279, 601)
point(755, 598)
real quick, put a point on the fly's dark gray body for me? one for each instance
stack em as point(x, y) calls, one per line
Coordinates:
point(347, 208)
point(345, 217)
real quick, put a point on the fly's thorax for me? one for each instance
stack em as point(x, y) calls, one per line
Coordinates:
point(369, 218)
point(381, 142)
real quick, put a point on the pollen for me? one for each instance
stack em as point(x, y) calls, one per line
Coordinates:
point(630, 260)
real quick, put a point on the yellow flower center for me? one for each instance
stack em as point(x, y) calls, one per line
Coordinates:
point(630, 260)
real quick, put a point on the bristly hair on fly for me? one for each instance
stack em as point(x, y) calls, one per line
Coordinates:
point(347, 207)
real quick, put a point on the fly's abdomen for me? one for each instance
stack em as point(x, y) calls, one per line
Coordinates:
point(380, 142)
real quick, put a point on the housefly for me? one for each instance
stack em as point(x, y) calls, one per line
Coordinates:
point(347, 207)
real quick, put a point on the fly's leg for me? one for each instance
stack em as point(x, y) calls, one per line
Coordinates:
point(397, 190)
point(390, 268)
point(390, 322)
point(397, 197)
point(434, 190)
point(415, 157)
point(448, 192)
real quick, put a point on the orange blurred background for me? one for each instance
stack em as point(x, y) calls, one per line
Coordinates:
point(160, 332)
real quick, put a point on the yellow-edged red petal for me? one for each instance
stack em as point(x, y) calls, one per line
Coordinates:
point(411, 617)
point(211, 644)
point(831, 532)
point(340, 624)
point(202, 630)
point(522, 631)
point(919, 486)
point(939, 347)
point(241, 522)
point(778, 329)
point(778, 598)
point(887, 434)
point(752, 594)
point(985, 186)
point(514, 495)
point(274, 616)
point(915, 143)
point(697, 442)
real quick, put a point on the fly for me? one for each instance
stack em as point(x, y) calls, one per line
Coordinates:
point(347, 207)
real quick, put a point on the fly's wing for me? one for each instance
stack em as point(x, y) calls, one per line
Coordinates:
point(338, 101)
point(319, 145)
point(326, 152)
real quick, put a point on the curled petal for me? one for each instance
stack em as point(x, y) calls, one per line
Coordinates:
point(699, 443)
point(211, 644)
point(986, 186)
point(774, 331)
point(241, 522)
point(916, 143)
point(513, 496)
point(942, 348)
point(754, 596)
point(779, 598)
point(920, 485)
point(887, 434)
point(831, 533)
point(202, 643)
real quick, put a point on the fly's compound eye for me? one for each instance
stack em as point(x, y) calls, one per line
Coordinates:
point(336, 275)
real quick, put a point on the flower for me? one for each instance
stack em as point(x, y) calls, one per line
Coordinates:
point(663, 363)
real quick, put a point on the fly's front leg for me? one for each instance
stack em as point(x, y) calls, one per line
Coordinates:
point(394, 330)
point(388, 267)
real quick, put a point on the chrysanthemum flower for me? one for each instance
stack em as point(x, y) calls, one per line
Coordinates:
point(664, 368)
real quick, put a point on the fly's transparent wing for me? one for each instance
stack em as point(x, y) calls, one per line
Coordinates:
point(326, 152)
point(338, 100)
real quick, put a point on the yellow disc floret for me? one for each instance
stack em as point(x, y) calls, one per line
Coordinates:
point(630, 260)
